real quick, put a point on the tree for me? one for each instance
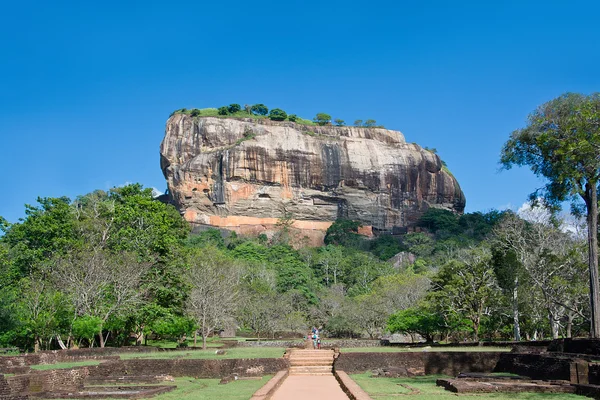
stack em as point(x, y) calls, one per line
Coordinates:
point(417, 320)
point(233, 108)
point(466, 285)
point(213, 278)
point(292, 117)
point(339, 122)
point(223, 110)
point(561, 143)
point(277, 114)
point(322, 119)
point(358, 123)
point(370, 123)
point(100, 284)
point(343, 232)
point(259, 109)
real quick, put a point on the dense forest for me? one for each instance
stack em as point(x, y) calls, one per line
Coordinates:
point(119, 267)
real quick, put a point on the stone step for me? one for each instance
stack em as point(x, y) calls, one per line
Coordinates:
point(311, 358)
point(296, 363)
point(312, 373)
point(311, 369)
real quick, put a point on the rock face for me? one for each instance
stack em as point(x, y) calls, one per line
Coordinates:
point(245, 174)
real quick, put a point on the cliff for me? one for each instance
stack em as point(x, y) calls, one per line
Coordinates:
point(244, 174)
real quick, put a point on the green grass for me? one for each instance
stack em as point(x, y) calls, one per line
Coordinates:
point(209, 389)
point(242, 352)
point(393, 349)
point(391, 389)
point(44, 367)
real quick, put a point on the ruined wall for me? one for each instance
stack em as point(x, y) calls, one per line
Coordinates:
point(421, 363)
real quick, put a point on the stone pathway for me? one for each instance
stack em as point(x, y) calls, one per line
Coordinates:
point(313, 387)
point(311, 377)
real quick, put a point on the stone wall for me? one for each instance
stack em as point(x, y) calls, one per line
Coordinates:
point(421, 363)
point(63, 380)
point(195, 368)
point(577, 346)
point(536, 366)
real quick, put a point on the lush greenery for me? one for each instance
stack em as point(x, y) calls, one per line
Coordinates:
point(560, 143)
point(107, 265)
point(260, 111)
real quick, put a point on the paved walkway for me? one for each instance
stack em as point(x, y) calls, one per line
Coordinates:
point(310, 387)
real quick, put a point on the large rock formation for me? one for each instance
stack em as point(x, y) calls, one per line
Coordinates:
point(245, 174)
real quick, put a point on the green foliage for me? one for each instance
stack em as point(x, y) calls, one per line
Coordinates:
point(209, 237)
point(259, 109)
point(277, 114)
point(417, 320)
point(322, 119)
point(386, 246)
point(370, 123)
point(358, 123)
point(87, 327)
point(343, 232)
point(339, 122)
point(223, 110)
point(234, 108)
point(292, 117)
point(438, 220)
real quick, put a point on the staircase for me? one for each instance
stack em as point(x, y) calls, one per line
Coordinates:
point(311, 362)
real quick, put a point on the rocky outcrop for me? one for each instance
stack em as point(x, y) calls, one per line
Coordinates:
point(245, 174)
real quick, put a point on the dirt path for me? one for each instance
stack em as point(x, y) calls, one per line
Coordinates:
point(307, 387)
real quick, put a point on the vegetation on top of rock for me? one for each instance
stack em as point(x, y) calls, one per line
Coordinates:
point(260, 111)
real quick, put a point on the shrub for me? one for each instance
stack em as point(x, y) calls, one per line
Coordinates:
point(277, 114)
point(370, 123)
point(223, 110)
point(322, 119)
point(358, 122)
point(195, 112)
point(339, 122)
point(259, 109)
point(233, 108)
point(292, 117)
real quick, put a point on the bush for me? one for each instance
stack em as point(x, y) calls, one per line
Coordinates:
point(259, 109)
point(195, 112)
point(277, 114)
point(322, 119)
point(223, 110)
point(370, 123)
point(339, 122)
point(233, 108)
point(292, 117)
point(358, 122)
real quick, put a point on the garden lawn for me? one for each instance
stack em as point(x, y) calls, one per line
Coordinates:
point(393, 349)
point(391, 389)
point(209, 389)
point(210, 354)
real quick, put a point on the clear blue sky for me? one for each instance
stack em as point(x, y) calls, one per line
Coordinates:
point(86, 87)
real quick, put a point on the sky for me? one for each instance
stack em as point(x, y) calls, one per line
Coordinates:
point(86, 87)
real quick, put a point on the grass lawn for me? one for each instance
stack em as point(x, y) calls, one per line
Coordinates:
point(209, 389)
point(44, 367)
point(391, 389)
point(241, 352)
point(390, 349)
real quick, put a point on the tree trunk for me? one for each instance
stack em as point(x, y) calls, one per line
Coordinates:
point(101, 338)
point(570, 317)
point(36, 344)
point(591, 201)
point(515, 305)
point(195, 337)
point(203, 340)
